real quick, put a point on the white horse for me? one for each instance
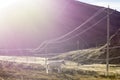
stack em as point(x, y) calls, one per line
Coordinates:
point(54, 65)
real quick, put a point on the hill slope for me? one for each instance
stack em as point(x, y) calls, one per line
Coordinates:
point(95, 55)
point(76, 14)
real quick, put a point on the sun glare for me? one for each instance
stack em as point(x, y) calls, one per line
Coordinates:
point(25, 18)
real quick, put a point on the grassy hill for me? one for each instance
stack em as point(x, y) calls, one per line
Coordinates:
point(95, 55)
point(90, 56)
point(86, 56)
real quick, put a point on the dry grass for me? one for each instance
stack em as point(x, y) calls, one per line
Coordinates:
point(18, 72)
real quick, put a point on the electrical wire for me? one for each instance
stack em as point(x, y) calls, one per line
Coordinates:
point(53, 40)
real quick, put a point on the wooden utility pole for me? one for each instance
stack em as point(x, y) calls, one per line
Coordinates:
point(78, 47)
point(108, 42)
point(78, 44)
point(46, 61)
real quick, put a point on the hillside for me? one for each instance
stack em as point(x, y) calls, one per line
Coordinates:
point(95, 55)
point(86, 56)
point(76, 13)
point(114, 48)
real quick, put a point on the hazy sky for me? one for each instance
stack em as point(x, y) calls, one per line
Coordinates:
point(20, 21)
point(114, 4)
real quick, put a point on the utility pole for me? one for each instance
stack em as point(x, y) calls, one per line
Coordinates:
point(108, 42)
point(46, 61)
point(78, 47)
point(78, 44)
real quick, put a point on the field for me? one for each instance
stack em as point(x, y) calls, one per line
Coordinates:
point(70, 71)
point(33, 68)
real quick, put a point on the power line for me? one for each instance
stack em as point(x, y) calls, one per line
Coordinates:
point(90, 27)
point(78, 33)
point(112, 58)
point(83, 30)
point(43, 48)
point(96, 14)
point(114, 47)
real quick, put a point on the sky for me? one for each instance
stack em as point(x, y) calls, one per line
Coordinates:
point(26, 23)
point(114, 4)
point(20, 21)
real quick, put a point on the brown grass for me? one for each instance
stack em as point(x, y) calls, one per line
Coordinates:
point(18, 72)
